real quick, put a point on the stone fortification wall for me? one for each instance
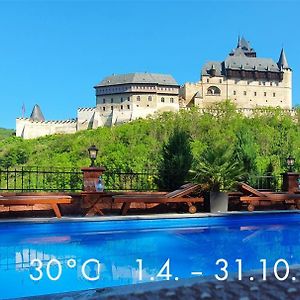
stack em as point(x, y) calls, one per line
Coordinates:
point(86, 118)
point(29, 129)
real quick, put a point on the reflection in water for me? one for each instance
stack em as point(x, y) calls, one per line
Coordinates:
point(190, 249)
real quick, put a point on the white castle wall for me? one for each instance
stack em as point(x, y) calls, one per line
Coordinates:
point(29, 129)
point(85, 118)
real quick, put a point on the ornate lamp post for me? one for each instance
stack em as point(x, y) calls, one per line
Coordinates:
point(93, 151)
point(290, 161)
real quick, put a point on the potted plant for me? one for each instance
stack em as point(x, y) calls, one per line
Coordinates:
point(217, 169)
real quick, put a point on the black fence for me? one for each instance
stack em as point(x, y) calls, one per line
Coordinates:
point(128, 181)
point(27, 179)
point(266, 183)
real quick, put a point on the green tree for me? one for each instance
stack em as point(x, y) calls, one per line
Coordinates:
point(176, 161)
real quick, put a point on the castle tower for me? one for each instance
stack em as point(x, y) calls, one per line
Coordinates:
point(286, 77)
point(36, 114)
point(282, 62)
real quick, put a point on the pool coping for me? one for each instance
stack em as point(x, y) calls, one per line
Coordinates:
point(143, 217)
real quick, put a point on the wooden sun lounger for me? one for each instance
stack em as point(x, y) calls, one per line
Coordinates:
point(53, 200)
point(178, 196)
point(253, 197)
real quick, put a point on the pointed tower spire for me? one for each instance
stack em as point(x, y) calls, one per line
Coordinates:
point(245, 44)
point(282, 62)
point(37, 114)
point(239, 42)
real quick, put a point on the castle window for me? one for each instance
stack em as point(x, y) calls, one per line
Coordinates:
point(255, 93)
point(213, 90)
point(103, 100)
point(234, 92)
point(271, 83)
point(245, 93)
point(248, 82)
point(128, 98)
point(171, 100)
point(162, 99)
point(121, 106)
point(265, 94)
point(259, 83)
point(121, 99)
point(149, 98)
point(103, 108)
point(112, 100)
point(264, 83)
point(220, 80)
point(138, 98)
point(112, 108)
point(274, 94)
point(128, 106)
point(207, 80)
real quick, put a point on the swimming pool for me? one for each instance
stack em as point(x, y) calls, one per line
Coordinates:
point(61, 256)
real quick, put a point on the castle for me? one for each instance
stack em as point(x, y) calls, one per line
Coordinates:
point(246, 79)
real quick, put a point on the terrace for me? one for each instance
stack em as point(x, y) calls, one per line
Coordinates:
point(110, 251)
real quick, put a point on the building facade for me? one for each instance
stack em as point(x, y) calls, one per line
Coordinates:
point(119, 99)
point(244, 78)
point(123, 98)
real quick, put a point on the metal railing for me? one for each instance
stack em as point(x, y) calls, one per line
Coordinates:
point(26, 179)
point(129, 181)
point(34, 179)
point(266, 183)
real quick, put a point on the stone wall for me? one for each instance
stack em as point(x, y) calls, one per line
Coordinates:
point(85, 118)
point(29, 129)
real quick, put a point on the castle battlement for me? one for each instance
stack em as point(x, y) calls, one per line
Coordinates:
point(47, 122)
point(86, 109)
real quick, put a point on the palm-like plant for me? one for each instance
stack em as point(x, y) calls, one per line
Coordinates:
point(218, 168)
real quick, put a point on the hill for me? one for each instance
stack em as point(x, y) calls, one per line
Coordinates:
point(4, 133)
point(261, 143)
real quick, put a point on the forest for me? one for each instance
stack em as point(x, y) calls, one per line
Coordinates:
point(221, 141)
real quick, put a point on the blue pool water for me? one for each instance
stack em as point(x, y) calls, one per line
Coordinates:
point(65, 249)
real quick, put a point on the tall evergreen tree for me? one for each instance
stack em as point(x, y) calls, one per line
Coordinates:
point(176, 160)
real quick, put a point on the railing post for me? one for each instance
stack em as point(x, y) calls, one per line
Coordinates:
point(90, 177)
point(7, 179)
point(22, 175)
point(290, 182)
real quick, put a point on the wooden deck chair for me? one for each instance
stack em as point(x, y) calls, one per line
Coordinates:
point(52, 200)
point(253, 197)
point(181, 195)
